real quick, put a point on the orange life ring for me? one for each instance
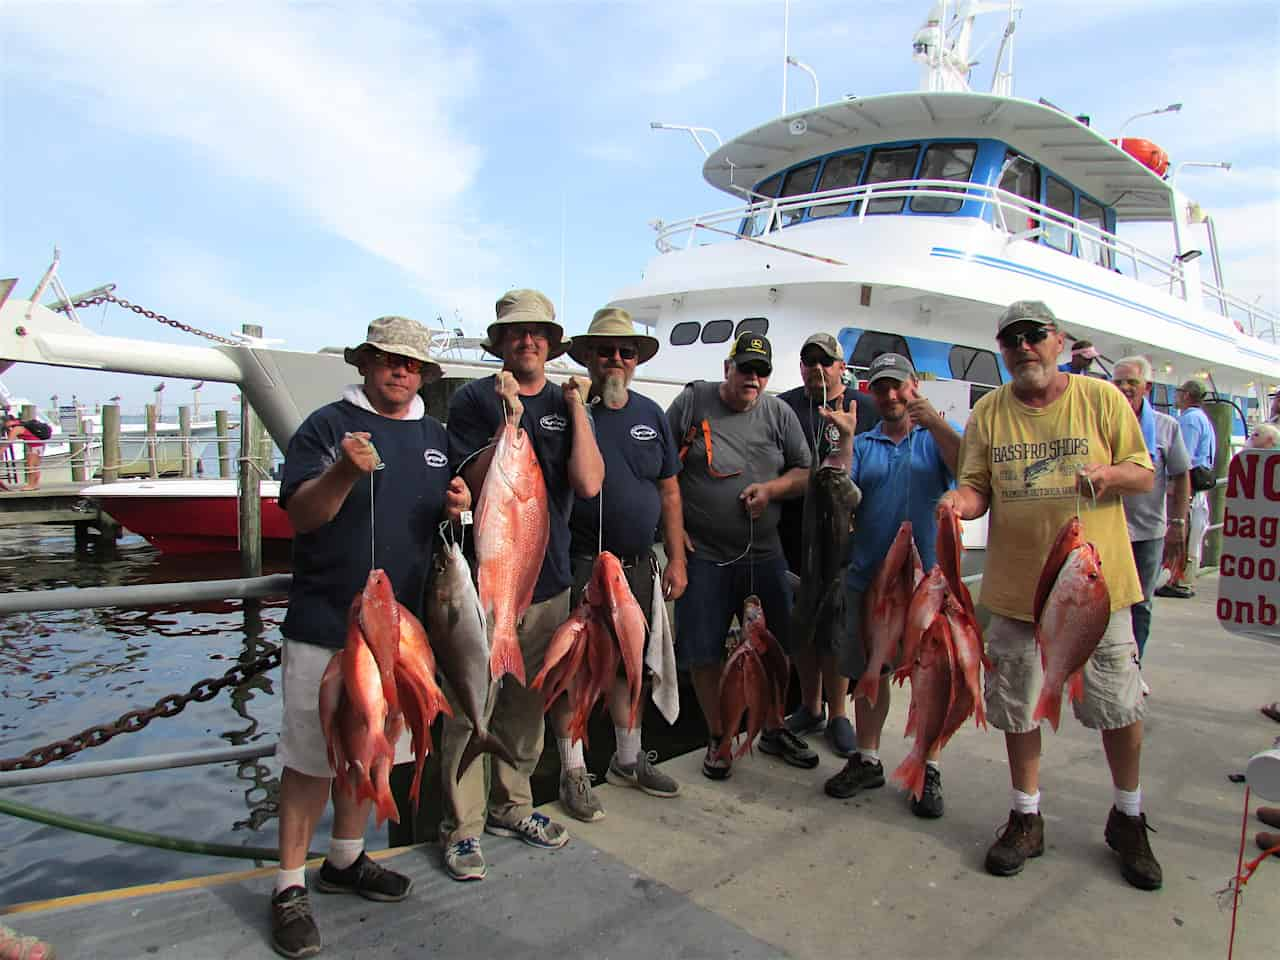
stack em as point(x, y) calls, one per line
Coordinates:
point(1148, 154)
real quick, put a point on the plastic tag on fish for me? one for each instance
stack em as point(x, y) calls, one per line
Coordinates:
point(465, 518)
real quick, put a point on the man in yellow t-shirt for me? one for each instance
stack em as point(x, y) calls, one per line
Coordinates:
point(1036, 451)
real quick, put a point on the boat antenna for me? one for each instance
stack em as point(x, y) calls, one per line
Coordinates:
point(786, 49)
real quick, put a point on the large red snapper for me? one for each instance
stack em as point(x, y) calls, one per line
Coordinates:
point(1070, 536)
point(931, 702)
point(777, 667)
point(1072, 621)
point(610, 594)
point(362, 720)
point(926, 603)
point(950, 545)
point(886, 610)
point(421, 698)
point(379, 616)
point(512, 529)
point(966, 644)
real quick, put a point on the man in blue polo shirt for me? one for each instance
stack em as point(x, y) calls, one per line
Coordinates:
point(640, 489)
point(902, 466)
point(1201, 442)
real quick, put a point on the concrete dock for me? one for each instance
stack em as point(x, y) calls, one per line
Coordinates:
point(766, 865)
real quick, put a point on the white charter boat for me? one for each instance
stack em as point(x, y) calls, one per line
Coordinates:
point(906, 222)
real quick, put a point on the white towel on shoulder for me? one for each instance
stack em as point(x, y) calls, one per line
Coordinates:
point(660, 657)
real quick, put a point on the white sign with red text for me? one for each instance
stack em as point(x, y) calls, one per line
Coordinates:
point(1249, 571)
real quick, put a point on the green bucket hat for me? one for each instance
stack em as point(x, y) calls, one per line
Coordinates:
point(612, 323)
point(520, 307)
point(398, 335)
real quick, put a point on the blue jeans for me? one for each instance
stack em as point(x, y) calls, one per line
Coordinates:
point(715, 595)
point(1147, 555)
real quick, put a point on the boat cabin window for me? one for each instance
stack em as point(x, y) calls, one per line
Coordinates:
point(683, 334)
point(872, 343)
point(798, 181)
point(1058, 196)
point(758, 325)
point(945, 161)
point(970, 363)
point(768, 189)
point(842, 170)
point(717, 331)
point(893, 163)
point(1091, 249)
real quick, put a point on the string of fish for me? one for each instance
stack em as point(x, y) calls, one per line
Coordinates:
point(373, 540)
point(1093, 495)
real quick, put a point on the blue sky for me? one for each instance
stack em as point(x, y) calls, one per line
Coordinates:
point(308, 167)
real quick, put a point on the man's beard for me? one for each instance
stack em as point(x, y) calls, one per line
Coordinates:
point(613, 389)
point(1032, 376)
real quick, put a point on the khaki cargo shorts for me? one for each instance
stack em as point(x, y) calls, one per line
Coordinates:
point(302, 747)
point(1112, 685)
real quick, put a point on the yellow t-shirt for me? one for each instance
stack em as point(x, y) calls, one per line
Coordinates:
point(1026, 460)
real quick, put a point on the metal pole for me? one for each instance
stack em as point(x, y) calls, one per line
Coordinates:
point(184, 593)
point(110, 442)
point(250, 490)
point(224, 443)
point(110, 768)
point(184, 429)
point(153, 468)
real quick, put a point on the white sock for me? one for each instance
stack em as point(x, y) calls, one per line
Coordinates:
point(1025, 802)
point(628, 745)
point(869, 756)
point(932, 763)
point(291, 878)
point(570, 754)
point(343, 853)
point(1129, 802)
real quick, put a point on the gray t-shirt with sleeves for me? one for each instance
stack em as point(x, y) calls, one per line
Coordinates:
point(753, 446)
point(1145, 512)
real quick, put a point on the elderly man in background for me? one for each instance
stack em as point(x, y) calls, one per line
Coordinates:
point(640, 490)
point(1274, 416)
point(1157, 520)
point(1083, 353)
point(744, 453)
point(1201, 443)
point(822, 369)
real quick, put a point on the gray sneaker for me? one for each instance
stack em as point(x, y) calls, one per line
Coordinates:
point(577, 797)
point(464, 861)
point(642, 775)
point(537, 830)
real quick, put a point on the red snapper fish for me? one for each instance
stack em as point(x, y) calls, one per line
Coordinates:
point(1071, 616)
point(610, 594)
point(932, 699)
point(950, 545)
point(886, 610)
point(753, 682)
point(379, 616)
point(512, 529)
point(926, 604)
point(421, 698)
point(362, 721)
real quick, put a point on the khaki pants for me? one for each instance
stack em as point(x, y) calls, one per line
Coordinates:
point(515, 718)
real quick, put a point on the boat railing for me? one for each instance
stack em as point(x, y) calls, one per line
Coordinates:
point(1018, 217)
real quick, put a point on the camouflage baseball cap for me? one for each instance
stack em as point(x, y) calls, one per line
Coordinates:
point(401, 336)
point(523, 307)
point(824, 342)
point(1026, 311)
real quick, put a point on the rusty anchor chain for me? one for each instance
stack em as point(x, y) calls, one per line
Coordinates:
point(158, 317)
point(133, 721)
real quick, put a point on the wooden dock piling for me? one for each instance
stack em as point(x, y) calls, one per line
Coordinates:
point(79, 454)
point(250, 489)
point(220, 422)
point(153, 414)
point(184, 430)
point(110, 442)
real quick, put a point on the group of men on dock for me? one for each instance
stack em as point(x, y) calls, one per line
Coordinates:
point(719, 477)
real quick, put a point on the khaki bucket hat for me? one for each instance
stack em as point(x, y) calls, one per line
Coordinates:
point(398, 335)
point(525, 306)
point(612, 323)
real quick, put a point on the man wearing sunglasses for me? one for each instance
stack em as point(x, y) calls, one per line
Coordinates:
point(376, 449)
point(743, 453)
point(822, 369)
point(1038, 451)
point(525, 335)
point(640, 491)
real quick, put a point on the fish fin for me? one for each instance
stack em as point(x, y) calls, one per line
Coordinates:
point(868, 685)
point(506, 658)
point(1075, 686)
point(1049, 706)
point(482, 742)
point(384, 801)
point(910, 774)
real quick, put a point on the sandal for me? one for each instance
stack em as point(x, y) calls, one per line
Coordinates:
point(1272, 710)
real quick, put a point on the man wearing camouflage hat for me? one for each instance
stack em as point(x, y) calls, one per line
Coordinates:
point(525, 335)
point(329, 489)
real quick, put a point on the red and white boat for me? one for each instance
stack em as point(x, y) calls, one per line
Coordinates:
point(190, 516)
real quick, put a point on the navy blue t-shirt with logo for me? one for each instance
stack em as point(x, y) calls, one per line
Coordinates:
point(638, 450)
point(474, 415)
point(332, 562)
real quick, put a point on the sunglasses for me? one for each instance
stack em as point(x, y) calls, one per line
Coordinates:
point(537, 331)
point(817, 358)
point(759, 369)
point(1014, 341)
point(393, 360)
point(606, 350)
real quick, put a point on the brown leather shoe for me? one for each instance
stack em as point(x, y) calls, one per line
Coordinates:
point(1127, 836)
point(1021, 839)
point(1266, 841)
point(1270, 816)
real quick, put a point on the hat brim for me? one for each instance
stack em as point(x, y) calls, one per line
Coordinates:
point(556, 348)
point(900, 375)
point(430, 369)
point(646, 346)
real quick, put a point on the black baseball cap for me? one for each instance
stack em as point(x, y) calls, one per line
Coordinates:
point(752, 346)
point(890, 365)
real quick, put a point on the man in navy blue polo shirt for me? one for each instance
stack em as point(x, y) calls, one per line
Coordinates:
point(341, 503)
point(640, 490)
point(525, 335)
point(902, 466)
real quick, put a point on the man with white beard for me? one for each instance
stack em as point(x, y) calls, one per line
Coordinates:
point(640, 492)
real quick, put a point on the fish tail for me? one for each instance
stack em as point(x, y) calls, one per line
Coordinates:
point(910, 773)
point(869, 685)
point(1049, 706)
point(1075, 686)
point(979, 713)
point(482, 741)
point(384, 801)
point(506, 657)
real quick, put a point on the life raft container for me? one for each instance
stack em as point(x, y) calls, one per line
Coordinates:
point(1148, 154)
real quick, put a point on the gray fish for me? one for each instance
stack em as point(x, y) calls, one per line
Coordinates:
point(460, 640)
point(829, 504)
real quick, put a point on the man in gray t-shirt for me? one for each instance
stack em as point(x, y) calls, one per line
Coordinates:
point(1158, 519)
point(743, 451)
